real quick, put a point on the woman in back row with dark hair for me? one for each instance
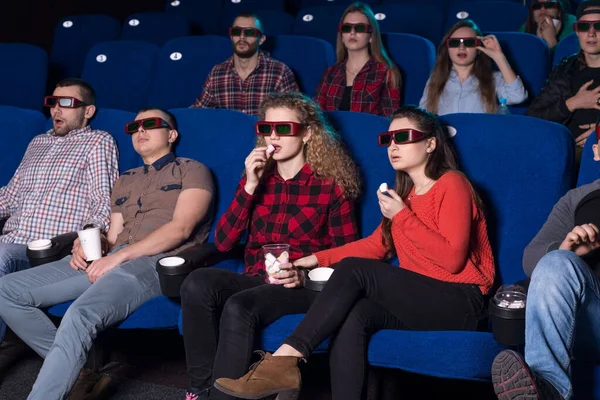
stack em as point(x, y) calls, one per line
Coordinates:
point(364, 79)
point(463, 80)
point(549, 20)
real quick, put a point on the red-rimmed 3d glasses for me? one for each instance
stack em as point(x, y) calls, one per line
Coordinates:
point(454, 42)
point(63, 101)
point(146, 124)
point(283, 128)
point(401, 136)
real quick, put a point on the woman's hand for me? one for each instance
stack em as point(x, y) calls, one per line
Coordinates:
point(290, 276)
point(390, 205)
point(491, 47)
point(255, 166)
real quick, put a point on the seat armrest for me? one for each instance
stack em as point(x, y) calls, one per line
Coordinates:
point(206, 254)
point(61, 247)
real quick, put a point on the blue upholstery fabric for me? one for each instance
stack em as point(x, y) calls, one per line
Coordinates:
point(423, 19)
point(273, 335)
point(18, 127)
point(566, 47)
point(74, 36)
point(490, 16)
point(589, 170)
point(529, 57)
point(182, 67)
point(275, 22)
point(23, 78)
point(359, 131)
point(113, 122)
point(320, 22)
point(318, 51)
point(155, 27)
point(220, 139)
point(341, 3)
point(121, 72)
point(204, 16)
point(518, 186)
point(244, 6)
point(444, 354)
point(156, 313)
point(415, 57)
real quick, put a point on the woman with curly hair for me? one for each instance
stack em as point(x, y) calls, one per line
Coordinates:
point(298, 189)
point(463, 79)
point(433, 221)
point(364, 79)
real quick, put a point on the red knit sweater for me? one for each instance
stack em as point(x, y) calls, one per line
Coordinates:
point(440, 234)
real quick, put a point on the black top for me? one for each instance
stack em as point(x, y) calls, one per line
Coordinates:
point(588, 212)
point(345, 101)
point(588, 115)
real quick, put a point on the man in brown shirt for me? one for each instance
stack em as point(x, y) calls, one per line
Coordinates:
point(157, 209)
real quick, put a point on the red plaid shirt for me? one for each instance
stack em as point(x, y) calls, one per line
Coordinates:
point(308, 213)
point(370, 92)
point(224, 88)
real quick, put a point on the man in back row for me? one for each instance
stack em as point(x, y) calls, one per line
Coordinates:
point(63, 182)
point(242, 82)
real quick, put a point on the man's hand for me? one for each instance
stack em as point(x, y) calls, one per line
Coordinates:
point(582, 239)
point(78, 259)
point(102, 266)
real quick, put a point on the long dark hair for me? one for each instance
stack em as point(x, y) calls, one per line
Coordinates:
point(531, 26)
point(376, 48)
point(441, 160)
point(482, 70)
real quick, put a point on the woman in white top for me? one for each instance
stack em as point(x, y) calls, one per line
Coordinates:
point(463, 80)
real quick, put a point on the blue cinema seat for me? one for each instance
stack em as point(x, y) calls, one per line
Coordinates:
point(155, 27)
point(490, 16)
point(19, 126)
point(74, 36)
point(276, 22)
point(308, 74)
point(24, 73)
point(121, 72)
point(204, 16)
point(569, 45)
point(415, 57)
point(320, 22)
point(182, 67)
point(589, 170)
point(422, 19)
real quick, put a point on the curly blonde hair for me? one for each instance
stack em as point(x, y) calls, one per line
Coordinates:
point(325, 151)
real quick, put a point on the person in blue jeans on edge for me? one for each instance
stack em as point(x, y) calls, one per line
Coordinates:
point(563, 303)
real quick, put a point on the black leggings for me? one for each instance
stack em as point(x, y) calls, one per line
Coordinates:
point(365, 296)
point(222, 313)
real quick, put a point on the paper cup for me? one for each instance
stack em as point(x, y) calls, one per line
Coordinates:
point(91, 243)
point(171, 261)
point(41, 244)
point(320, 274)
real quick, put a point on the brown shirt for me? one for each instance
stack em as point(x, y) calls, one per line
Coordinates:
point(146, 197)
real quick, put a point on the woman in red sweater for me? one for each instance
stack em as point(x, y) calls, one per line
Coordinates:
point(434, 223)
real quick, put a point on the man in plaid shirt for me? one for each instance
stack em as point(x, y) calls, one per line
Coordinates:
point(242, 82)
point(64, 181)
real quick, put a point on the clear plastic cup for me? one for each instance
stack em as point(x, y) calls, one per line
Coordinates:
point(511, 297)
point(275, 255)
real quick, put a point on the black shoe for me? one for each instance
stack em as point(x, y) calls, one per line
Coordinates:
point(513, 380)
point(11, 354)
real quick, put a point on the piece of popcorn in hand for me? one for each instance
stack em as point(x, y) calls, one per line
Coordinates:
point(383, 187)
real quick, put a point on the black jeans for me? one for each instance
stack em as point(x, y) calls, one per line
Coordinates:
point(365, 296)
point(222, 313)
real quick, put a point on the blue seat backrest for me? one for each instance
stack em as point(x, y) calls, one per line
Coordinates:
point(589, 169)
point(566, 47)
point(221, 140)
point(113, 122)
point(24, 73)
point(422, 19)
point(490, 16)
point(275, 22)
point(250, 6)
point(518, 185)
point(359, 131)
point(320, 22)
point(415, 57)
point(19, 126)
point(74, 36)
point(204, 16)
point(341, 3)
point(155, 27)
point(121, 72)
point(182, 67)
point(529, 57)
point(318, 51)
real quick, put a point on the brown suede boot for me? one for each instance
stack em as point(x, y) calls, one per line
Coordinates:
point(267, 377)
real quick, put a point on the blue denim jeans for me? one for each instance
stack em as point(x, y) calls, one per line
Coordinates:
point(111, 299)
point(13, 258)
point(562, 318)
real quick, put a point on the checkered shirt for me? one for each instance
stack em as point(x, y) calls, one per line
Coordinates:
point(61, 185)
point(370, 92)
point(224, 88)
point(308, 213)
